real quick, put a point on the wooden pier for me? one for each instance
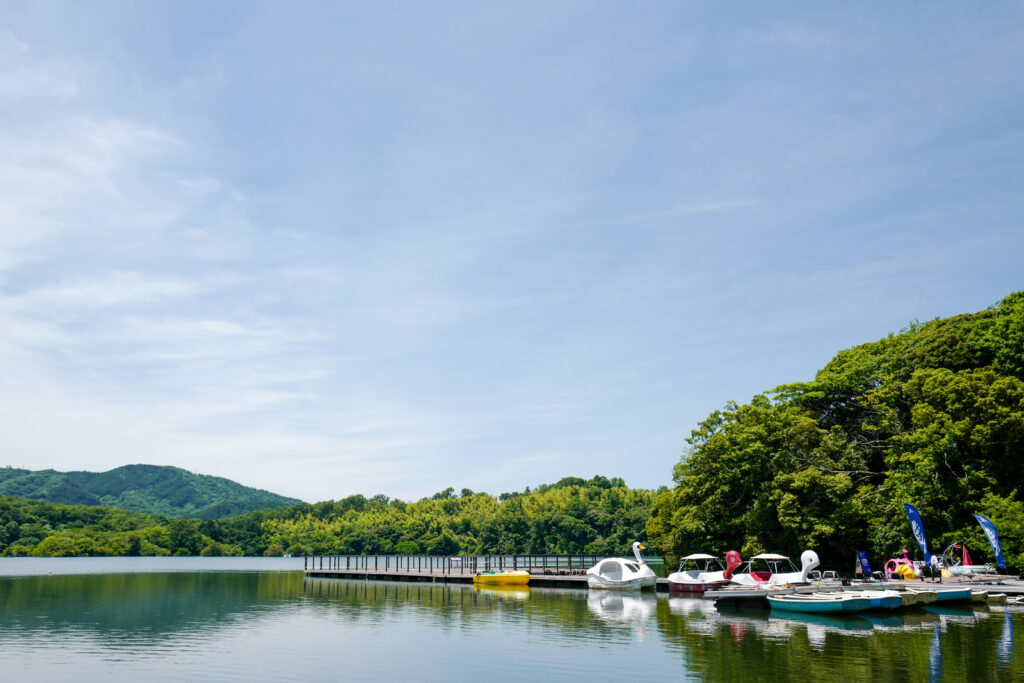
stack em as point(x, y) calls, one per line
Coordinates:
point(561, 571)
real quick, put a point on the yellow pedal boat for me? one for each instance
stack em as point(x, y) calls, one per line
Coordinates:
point(503, 578)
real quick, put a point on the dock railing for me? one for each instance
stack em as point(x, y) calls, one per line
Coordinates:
point(569, 564)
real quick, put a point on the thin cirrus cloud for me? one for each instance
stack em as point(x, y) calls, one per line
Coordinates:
point(95, 292)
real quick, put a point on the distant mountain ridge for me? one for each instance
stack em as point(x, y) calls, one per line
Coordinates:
point(153, 489)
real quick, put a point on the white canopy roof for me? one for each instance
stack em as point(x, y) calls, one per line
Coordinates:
point(700, 556)
point(769, 556)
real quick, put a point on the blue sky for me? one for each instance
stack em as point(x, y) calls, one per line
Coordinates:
point(326, 248)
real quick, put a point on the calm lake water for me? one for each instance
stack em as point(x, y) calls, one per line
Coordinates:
point(254, 619)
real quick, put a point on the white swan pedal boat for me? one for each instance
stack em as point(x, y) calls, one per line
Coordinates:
point(701, 572)
point(617, 573)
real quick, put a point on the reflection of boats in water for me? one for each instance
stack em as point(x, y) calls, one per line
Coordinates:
point(1004, 651)
point(837, 621)
point(688, 606)
point(507, 592)
point(783, 626)
point(621, 608)
point(954, 614)
point(960, 612)
point(884, 621)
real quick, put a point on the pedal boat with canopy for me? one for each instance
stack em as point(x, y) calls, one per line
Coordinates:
point(702, 572)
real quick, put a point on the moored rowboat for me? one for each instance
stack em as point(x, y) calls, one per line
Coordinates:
point(819, 603)
point(953, 594)
point(885, 600)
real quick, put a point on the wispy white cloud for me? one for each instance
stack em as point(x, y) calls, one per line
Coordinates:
point(108, 290)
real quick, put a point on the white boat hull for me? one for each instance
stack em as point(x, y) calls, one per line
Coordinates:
point(694, 586)
point(638, 583)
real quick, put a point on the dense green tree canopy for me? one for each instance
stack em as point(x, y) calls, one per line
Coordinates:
point(153, 489)
point(933, 416)
point(575, 515)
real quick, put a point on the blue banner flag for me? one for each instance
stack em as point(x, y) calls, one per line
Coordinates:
point(863, 556)
point(917, 526)
point(990, 530)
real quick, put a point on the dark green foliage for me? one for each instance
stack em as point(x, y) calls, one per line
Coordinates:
point(576, 515)
point(151, 489)
point(933, 416)
point(32, 527)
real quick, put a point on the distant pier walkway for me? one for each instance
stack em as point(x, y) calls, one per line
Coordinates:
point(564, 571)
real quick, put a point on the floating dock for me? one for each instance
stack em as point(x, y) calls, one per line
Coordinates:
point(569, 571)
point(554, 571)
point(758, 598)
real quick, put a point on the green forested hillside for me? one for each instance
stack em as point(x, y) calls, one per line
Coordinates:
point(33, 527)
point(152, 489)
point(598, 515)
point(932, 416)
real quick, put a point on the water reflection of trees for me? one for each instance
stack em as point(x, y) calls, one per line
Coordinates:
point(709, 644)
point(460, 606)
point(730, 644)
point(139, 606)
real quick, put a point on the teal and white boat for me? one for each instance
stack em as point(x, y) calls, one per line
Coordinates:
point(953, 594)
point(839, 602)
point(881, 600)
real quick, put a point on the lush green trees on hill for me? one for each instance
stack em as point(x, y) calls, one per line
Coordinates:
point(599, 515)
point(575, 515)
point(933, 416)
point(153, 489)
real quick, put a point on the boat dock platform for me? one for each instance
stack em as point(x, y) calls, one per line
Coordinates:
point(569, 571)
point(758, 597)
point(556, 571)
